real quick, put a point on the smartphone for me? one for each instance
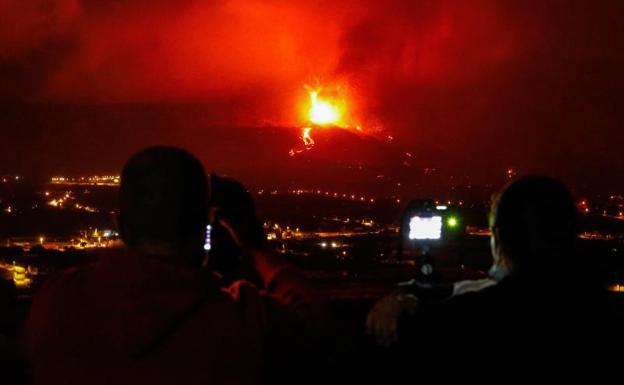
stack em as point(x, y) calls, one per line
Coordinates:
point(208, 242)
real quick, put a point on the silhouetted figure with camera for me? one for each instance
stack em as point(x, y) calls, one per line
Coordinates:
point(229, 197)
point(153, 313)
point(547, 306)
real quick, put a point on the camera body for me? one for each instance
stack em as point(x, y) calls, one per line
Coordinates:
point(426, 229)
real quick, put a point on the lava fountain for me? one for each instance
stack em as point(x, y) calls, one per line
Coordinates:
point(322, 111)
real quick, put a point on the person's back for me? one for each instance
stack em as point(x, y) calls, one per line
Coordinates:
point(516, 314)
point(131, 316)
point(151, 314)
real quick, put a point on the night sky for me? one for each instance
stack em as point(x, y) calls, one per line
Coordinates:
point(470, 85)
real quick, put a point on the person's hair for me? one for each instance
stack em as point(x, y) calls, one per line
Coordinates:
point(535, 218)
point(163, 198)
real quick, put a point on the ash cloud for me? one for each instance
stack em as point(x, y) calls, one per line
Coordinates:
point(126, 51)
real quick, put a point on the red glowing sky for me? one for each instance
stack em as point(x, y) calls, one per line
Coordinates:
point(524, 83)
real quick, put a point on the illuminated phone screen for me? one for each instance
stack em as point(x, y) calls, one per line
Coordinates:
point(422, 228)
point(207, 244)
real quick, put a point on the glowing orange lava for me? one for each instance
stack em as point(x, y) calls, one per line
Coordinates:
point(307, 139)
point(323, 112)
point(308, 142)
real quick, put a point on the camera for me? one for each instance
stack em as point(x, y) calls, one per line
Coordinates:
point(428, 228)
point(425, 228)
point(425, 224)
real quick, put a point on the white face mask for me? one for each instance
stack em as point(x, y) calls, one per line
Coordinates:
point(499, 269)
point(498, 272)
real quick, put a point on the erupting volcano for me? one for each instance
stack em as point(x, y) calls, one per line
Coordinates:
point(322, 111)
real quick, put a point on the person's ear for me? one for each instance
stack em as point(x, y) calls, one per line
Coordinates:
point(496, 235)
point(495, 244)
point(504, 259)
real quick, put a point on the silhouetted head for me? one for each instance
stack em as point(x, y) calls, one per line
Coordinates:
point(163, 204)
point(230, 195)
point(533, 225)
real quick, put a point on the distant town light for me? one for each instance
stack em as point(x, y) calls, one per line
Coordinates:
point(617, 288)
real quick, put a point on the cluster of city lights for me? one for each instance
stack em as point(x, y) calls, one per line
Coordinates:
point(62, 202)
point(353, 197)
point(617, 288)
point(11, 178)
point(20, 278)
point(614, 209)
point(20, 275)
point(348, 196)
point(85, 239)
point(59, 202)
point(106, 180)
point(333, 245)
point(275, 231)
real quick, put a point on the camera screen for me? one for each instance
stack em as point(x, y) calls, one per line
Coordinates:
point(207, 245)
point(425, 228)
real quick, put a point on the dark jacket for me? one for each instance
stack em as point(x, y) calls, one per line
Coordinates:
point(528, 323)
point(136, 320)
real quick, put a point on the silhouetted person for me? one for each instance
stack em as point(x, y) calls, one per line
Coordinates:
point(546, 307)
point(151, 314)
point(230, 198)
